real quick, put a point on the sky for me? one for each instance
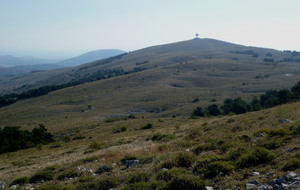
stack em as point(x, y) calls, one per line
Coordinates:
point(62, 28)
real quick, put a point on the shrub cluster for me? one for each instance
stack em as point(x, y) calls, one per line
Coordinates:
point(238, 106)
point(13, 138)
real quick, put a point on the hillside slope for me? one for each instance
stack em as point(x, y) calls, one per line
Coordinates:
point(161, 56)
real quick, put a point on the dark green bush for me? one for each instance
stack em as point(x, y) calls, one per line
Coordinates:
point(185, 160)
point(89, 159)
point(202, 164)
point(44, 175)
point(148, 126)
point(87, 186)
point(162, 138)
point(236, 153)
point(108, 183)
point(277, 133)
point(50, 187)
point(255, 157)
point(295, 129)
point(67, 174)
point(186, 182)
point(168, 164)
point(138, 177)
point(20, 181)
point(104, 168)
point(292, 164)
point(167, 175)
point(204, 147)
point(138, 186)
point(214, 168)
point(271, 144)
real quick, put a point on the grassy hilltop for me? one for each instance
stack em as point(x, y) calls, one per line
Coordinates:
point(145, 115)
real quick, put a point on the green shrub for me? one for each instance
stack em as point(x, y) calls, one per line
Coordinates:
point(236, 153)
point(295, 130)
point(89, 159)
point(148, 126)
point(20, 181)
point(195, 133)
point(187, 182)
point(96, 145)
point(87, 186)
point(214, 168)
point(138, 186)
point(277, 133)
point(87, 178)
point(205, 147)
point(50, 187)
point(138, 177)
point(185, 160)
point(67, 174)
point(167, 175)
point(255, 157)
point(271, 144)
point(292, 164)
point(202, 164)
point(104, 168)
point(162, 138)
point(168, 164)
point(42, 176)
point(108, 183)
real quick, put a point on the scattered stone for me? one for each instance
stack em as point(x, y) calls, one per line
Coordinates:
point(220, 174)
point(255, 181)
point(164, 169)
point(13, 187)
point(290, 176)
point(289, 181)
point(209, 188)
point(286, 121)
point(254, 173)
point(264, 187)
point(250, 186)
point(131, 163)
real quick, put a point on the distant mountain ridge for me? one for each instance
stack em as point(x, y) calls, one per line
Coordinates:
point(90, 56)
point(197, 52)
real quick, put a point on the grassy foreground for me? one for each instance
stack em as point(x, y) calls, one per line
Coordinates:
point(172, 152)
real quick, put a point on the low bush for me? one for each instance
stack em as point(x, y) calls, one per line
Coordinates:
point(204, 147)
point(103, 169)
point(67, 174)
point(20, 181)
point(138, 186)
point(292, 164)
point(215, 168)
point(138, 177)
point(185, 160)
point(162, 138)
point(255, 157)
point(167, 175)
point(108, 183)
point(89, 159)
point(202, 164)
point(50, 187)
point(188, 182)
point(148, 126)
point(42, 176)
point(236, 153)
point(168, 164)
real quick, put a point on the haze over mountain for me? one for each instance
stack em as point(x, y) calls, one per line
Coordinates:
point(90, 56)
point(197, 53)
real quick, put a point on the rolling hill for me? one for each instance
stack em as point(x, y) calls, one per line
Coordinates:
point(90, 57)
point(145, 115)
point(172, 76)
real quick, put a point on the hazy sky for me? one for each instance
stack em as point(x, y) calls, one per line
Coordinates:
point(68, 27)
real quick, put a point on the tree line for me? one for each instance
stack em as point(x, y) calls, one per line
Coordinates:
point(238, 106)
point(12, 138)
point(11, 98)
